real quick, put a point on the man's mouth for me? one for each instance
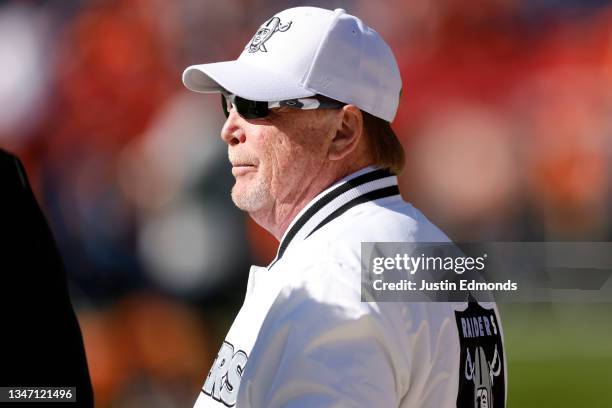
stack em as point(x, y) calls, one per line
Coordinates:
point(240, 169)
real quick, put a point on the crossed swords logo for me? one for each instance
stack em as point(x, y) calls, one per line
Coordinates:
point(482, 374)
point(273, 25)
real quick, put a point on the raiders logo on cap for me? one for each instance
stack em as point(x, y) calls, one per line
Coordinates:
point(265, 32)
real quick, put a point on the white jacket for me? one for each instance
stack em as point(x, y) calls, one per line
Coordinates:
point(304, 339)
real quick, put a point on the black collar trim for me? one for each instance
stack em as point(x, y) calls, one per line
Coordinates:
point(352, 199)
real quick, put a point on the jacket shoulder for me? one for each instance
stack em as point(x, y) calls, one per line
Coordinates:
point(387, 220)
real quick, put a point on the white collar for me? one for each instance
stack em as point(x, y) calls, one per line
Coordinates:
point(365, 185)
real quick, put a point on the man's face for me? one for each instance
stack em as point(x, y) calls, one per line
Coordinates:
point(274, 158)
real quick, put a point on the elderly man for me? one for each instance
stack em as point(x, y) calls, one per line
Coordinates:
point(309, 104)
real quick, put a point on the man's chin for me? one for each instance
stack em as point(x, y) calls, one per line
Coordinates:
point(249, 200)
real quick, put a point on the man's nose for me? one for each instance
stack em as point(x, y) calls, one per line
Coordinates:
point(232, 132)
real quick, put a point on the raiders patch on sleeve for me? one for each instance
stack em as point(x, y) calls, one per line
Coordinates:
point(481, 367)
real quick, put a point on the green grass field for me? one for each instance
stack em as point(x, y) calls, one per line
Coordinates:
point(558, 355)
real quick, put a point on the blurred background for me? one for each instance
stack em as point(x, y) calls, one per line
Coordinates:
point(505, 116)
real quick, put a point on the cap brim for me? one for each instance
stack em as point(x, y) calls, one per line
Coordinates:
point(243, 80)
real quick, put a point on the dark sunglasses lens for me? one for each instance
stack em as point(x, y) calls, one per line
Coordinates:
point(224, 106)
point(251, 109)
point(246, 108)
point(260, 110)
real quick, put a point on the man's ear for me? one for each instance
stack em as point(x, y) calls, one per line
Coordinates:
point(348, 133)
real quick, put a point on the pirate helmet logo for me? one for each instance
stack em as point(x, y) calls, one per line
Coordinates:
point(482, 373)
point(264, 33)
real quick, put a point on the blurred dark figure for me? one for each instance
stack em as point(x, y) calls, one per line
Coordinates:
point(41, 338)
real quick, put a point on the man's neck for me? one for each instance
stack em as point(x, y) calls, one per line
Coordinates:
point(277, 219)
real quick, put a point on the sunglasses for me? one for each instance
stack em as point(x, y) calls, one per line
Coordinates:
point(256, 109)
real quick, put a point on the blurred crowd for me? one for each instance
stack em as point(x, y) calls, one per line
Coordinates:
point(505, 118)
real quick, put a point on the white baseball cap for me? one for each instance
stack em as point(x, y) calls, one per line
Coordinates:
point(304, 51)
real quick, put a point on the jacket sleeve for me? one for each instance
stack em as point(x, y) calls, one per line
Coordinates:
point(42, 344)
point(321, 347)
